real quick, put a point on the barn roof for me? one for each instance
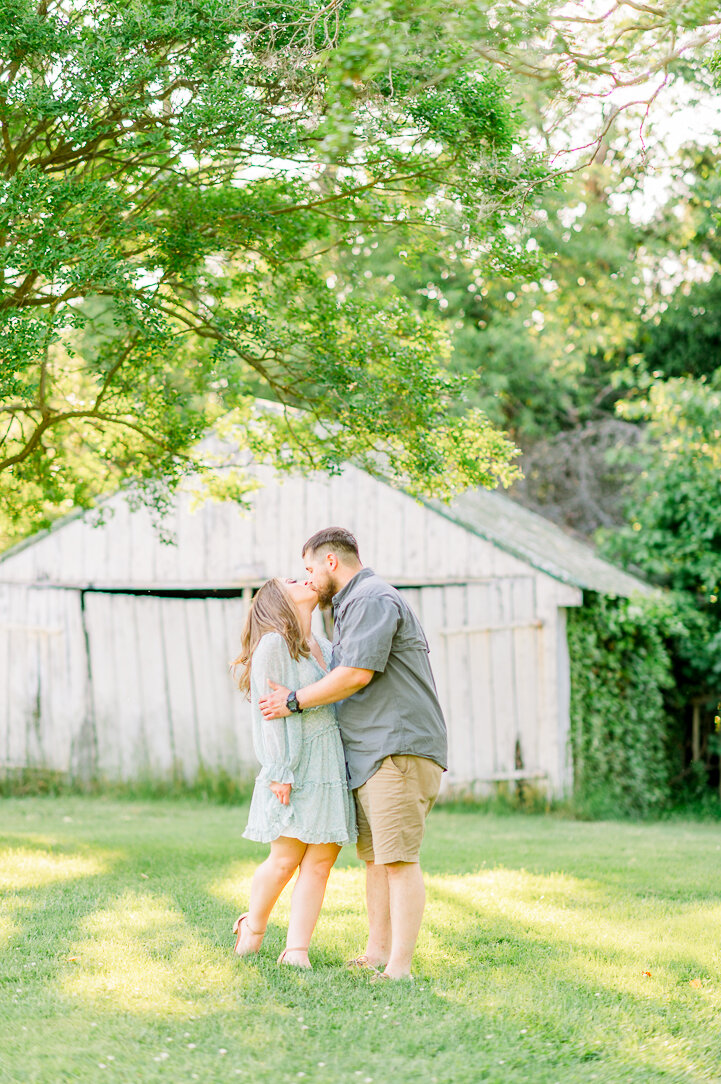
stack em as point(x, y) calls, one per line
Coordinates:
point(492, 517)
point(45, 532)
point(537, 540)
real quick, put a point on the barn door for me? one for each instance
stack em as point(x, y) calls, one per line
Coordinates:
point(165, 703)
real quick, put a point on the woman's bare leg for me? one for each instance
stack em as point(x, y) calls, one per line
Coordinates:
point(268, 882)
point(307, 899)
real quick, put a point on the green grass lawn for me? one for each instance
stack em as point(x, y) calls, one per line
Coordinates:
point(552, 951)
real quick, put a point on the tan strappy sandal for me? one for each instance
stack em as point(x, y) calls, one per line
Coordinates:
point(360, 963)
point(238, 929)
point(289, 963)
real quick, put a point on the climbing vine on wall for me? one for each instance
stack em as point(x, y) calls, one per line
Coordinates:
point(620, 726)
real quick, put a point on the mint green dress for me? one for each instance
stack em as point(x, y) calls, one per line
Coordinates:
point(304, 750)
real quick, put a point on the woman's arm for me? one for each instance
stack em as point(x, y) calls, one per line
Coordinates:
point(282, 739)
point(339, 684)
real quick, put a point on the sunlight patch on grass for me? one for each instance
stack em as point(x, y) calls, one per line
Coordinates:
point(8, 930)
point(627, 975)
point(234, 888)
point(642, 948)
point(578, 1001)
point(140, 956)
point(579, 963)
point(27, 868)
point(671, 1054)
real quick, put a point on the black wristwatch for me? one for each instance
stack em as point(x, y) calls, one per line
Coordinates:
point(292, 703)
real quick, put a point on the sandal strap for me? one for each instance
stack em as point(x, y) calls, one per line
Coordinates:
point(284, 953)
point(361, 963)
point(244, 918)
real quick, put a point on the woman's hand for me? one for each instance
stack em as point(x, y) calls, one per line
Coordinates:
point(282, 792)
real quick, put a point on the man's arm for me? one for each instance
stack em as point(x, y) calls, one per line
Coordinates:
point(339, 684)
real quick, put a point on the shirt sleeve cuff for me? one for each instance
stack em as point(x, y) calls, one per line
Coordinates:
point(277, 773)
point(365, 662)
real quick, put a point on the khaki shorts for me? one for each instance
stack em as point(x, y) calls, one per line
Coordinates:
point(392, 807)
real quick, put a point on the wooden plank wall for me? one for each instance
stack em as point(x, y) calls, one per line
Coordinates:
point(488, 650)
point(121, 686)
point(219, 544)
point(44, 708)
point(125, 686)
point(164, 700)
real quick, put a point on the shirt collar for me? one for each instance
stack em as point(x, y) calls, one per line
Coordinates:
point(349, 587)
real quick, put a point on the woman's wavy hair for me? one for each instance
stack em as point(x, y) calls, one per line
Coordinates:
point(272, 610)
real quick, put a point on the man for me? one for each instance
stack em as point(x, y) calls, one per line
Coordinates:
point(393, 733)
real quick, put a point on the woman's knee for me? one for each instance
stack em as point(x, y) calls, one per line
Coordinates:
point(285, 856)
point(282, 866)
point(318, 868)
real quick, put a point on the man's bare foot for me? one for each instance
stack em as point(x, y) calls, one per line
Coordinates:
point(404, 976)
point(248, 941)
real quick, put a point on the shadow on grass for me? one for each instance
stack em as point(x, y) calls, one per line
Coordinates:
point(636, 1004)
point(518, 975)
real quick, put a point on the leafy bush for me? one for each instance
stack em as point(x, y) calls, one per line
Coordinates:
point(620, 725)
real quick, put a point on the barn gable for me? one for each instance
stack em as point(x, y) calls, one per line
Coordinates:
point(223, 546)
point(479, 535)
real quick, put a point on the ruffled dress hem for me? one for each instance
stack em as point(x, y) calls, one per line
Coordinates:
point(304, 837)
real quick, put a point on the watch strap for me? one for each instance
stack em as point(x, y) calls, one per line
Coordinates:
point(292, 703)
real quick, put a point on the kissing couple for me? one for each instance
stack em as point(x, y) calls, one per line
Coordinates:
point(352, 745)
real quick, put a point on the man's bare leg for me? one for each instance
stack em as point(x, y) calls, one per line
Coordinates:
point(407, 899)
point(379, 914)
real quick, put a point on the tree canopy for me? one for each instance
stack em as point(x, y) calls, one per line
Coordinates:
point(177, 176)
point(172, 173)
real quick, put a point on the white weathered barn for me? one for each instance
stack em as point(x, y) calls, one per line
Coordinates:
point(114, 646)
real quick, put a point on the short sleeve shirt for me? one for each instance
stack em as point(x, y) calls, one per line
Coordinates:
point(398, 712)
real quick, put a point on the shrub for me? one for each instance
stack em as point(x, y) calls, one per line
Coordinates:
point(620, 723)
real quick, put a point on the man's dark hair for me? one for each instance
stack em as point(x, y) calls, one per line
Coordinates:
point(335, 539)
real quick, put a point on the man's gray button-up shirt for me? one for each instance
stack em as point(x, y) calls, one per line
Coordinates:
point(398, 712)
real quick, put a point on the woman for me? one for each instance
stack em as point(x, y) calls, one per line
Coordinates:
point(300, 804)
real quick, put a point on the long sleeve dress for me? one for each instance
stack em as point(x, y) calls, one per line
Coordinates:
point(304, 750)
